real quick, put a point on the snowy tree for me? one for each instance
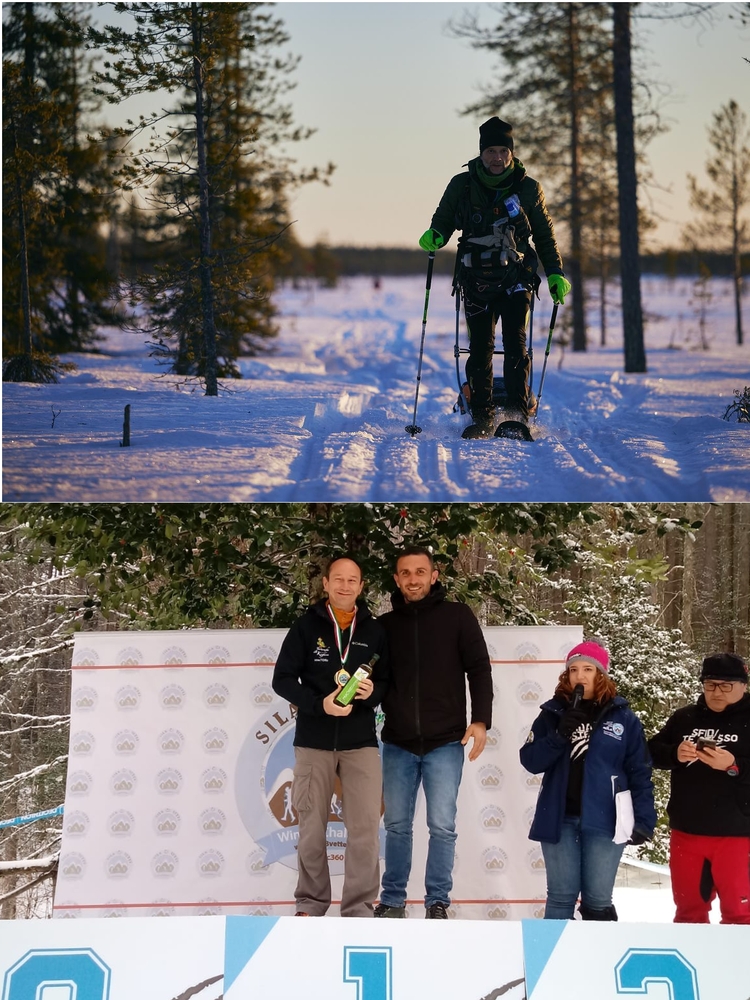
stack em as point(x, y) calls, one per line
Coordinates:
point(220, 200)
point(720, 224)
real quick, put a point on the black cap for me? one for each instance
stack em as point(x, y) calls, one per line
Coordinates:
point(724, 667)
point(495, 132)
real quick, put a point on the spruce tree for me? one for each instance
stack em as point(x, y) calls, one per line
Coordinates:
point(217, 195)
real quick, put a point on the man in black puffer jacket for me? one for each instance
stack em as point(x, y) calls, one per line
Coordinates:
point(331, 741)
point(706, 747)
point(434, 646)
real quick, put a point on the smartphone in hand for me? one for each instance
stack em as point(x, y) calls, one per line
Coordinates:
point(701, 743)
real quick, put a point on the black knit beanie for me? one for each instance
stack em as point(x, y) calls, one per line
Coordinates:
point(495, 132)
point(724, 667)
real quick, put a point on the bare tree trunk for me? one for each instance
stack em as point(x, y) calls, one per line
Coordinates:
point(736, 262)
point(632, 312)
point(575, 266)
point(207, 291)
point(688, 582)
point(24, 265)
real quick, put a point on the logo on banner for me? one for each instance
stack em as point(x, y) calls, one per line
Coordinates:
point(130, 657)
point(73, 866)
point(76, 824)
point(212, 821)
point(82, 744)
point(494, 739)
point(172, 696)
point(262, 695)
point(210, 864)
point(531, 781)
point(255, 864)
point(168, 781)
point(215, 740)
point(494, 860)
point(79, 783)
point(173, 656)
point(490, 778)
point(84, 699)
point(216, 696)
point(165, 864)
point(118, 865)
point(529, 693)
point(123, 782)
point(528, 816)
point(121, 823)
point(217, 655)
point(167, 823)
point(126, 742)
point(535, 860)
point(128, 698)
point(497, 910)
point(214, 780)
point(492, 818)
point(86, 658)
point(527, 651)
point(171, 741)
point(263, 654)
point(209, 907)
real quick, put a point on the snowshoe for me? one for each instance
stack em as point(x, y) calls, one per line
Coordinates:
point(514, 428)
point(483, 426)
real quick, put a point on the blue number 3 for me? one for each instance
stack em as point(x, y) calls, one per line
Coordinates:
point(370, 969)
point(79, 969)
point(641, 966)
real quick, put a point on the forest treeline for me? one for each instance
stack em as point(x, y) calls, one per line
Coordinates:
point(661, 585)
point(176, 224)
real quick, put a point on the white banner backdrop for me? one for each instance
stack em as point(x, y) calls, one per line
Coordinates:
point(181, 757)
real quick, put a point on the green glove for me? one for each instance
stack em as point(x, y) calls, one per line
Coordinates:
point(431, 240)
point(559, 286)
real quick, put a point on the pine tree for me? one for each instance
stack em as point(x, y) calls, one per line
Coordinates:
point(210, 177)
point(721, 208)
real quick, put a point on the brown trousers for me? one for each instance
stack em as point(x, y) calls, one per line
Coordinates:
point(315, 772)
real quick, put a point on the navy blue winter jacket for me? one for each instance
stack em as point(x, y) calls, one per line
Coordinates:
point(617, 759)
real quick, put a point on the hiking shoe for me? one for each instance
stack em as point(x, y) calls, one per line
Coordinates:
point(438, 911)
point(382, 910)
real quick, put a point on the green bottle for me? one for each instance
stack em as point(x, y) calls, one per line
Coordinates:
point(346, 694)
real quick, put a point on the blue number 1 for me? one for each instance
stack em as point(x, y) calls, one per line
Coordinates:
point(640, 966)
point(370, 969)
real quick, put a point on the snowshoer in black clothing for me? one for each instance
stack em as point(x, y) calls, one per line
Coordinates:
point(706, 747)
point(332, 741)
point(434, 646)
point(498, 208)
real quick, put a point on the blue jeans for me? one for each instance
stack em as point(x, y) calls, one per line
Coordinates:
point(439, 773)
point(584, 863)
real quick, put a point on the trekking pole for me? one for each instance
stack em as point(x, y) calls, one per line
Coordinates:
point(546, 355)
point(412, 427)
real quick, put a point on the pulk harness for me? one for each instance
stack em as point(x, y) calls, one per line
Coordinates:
point(489, 261)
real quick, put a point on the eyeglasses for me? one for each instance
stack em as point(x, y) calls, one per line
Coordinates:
point(726, 687)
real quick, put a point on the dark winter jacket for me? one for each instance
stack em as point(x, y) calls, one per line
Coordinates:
point(305, 675)
point(466, 197)
point(617, 759)
point(705, 801)
point(434, 645)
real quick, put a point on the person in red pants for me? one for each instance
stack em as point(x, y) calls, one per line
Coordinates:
point(706, 747)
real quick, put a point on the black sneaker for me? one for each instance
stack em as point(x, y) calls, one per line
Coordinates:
point(381, 910)
point(438, 911)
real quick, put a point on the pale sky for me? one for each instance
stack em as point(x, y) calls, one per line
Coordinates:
point(383, 83)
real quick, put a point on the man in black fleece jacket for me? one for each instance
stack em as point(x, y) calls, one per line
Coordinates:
point(332, 741)
point(434, 646)
point(706, 747)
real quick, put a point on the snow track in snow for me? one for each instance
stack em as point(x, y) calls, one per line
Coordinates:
point(323, 418)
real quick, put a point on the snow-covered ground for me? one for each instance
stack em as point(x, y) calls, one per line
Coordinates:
point(323, 418)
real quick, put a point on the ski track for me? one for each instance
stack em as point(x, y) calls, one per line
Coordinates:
point(324, 419)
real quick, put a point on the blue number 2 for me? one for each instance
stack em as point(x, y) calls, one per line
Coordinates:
point(370, 969)
point(640, 966)
point(80, 969)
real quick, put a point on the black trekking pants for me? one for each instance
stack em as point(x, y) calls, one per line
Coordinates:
point(481, 320)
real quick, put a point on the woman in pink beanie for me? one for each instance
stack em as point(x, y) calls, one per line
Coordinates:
point(589, 745)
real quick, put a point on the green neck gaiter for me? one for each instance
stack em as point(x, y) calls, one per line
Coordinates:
point(495, 181)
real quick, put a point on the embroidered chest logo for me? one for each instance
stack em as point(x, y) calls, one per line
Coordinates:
point(322, 652)
point(614, 729)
